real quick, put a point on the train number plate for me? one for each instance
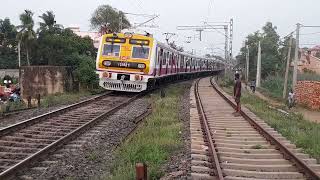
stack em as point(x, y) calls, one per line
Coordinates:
point(124, 64)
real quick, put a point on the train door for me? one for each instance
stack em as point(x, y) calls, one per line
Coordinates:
point(163, 62)
point(187, 64)
point(181, 63)
point(170, 63)
point(178, 63)
point(174, 63)
point(167, 62)
point(159, 61)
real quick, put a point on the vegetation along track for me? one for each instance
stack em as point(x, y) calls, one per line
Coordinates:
point(238, 148)
point(25, 142)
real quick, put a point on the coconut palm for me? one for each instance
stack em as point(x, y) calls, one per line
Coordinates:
point(49, 23)
point(26, 33)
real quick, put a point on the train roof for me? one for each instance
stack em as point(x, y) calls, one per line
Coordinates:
point(187, 54)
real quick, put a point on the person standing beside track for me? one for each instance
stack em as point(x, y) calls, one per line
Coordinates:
point(237, 94)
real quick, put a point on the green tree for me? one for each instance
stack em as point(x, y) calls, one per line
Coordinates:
point(85, 72)
point(49, 24)
point(8, 44)
point(59, 49)
point(252, 42)
point(272, 61)
point(109, 17)
point(26, 34)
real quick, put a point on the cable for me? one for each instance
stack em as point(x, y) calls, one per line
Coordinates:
point(309, 44)
point(309, 33)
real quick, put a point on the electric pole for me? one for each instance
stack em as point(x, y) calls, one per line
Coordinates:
point(247, 64)
point(226, 46)
point(168, 36)
point(296, 57)
point(205, 27)
point(200, 33)
point(231, 39)
point(287, 70)
point(19, 61)
point(258, 80)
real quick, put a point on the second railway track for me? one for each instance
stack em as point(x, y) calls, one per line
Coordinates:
point(239, 148)
point(25, 142)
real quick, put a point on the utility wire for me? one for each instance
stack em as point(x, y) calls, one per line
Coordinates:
point(305, 34)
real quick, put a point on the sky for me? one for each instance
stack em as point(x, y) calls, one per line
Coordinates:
point(249, 16)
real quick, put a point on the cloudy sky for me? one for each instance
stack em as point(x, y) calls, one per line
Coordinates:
point(248, 15)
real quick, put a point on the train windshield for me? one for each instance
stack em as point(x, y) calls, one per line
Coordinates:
point(140, 52)
point(111, 50)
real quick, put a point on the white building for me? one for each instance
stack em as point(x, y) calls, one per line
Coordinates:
point(95, 36)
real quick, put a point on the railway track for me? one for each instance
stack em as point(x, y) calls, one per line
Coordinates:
point(239, 148)
point(26, 142)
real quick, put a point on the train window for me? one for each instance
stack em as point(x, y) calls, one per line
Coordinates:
point(140, 52)
point(111, 50)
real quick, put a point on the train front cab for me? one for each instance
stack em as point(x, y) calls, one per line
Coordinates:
point(124, 63)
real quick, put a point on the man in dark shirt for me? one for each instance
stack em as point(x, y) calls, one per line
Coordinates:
point(237, 93)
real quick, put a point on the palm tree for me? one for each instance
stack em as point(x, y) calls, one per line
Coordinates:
point(49, 23)
point(26, 34)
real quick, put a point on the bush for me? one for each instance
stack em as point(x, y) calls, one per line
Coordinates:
point(273, 86)
point(226, 81)
point(85, 72)
point(309, 76)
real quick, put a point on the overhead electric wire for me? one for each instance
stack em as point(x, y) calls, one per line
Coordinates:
point(305, 34)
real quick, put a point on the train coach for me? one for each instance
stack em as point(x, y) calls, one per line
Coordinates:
point(134, 62)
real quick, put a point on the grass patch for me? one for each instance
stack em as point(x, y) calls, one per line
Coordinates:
point(63, 98)
point(12, 106)
point(303, 133)
point(257, 146)
point(272, 86)
point(155, 141)
point(93, 156)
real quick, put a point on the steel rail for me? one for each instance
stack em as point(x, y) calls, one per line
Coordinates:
point(301, 165)
point(37, 119)
point(212, 148)
point(57, 144)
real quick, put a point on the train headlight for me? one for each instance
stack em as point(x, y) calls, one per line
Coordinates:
point(141, 66)
point(106, 63)
point(128, 35)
